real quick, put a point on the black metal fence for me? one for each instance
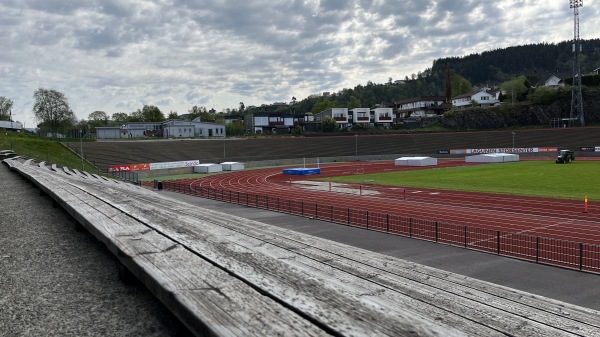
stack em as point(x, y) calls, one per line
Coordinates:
point(568, 254)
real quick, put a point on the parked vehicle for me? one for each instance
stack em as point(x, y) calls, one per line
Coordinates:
point(565, 157)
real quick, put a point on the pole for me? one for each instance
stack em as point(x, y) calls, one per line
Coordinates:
point(356, 146)
point(585, 204)
point(224, 156)
point(513, 134)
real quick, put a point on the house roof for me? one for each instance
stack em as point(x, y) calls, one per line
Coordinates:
point(421, 99)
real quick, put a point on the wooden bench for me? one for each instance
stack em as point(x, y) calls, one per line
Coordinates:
point(218, 273)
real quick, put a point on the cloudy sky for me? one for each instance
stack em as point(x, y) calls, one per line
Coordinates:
point(117, 55)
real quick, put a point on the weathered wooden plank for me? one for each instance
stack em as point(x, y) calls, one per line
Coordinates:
point(355, 292)
point(78, 173)
point(227, 306)
point(209, 300)
point(346, 303)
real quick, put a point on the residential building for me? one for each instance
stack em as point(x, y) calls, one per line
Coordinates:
point(272, 122)
point(340, 115)
point(424, 106)
point(481, 97)
point(359, 116)
point(166, 129)
point(383, 117)
point(554, 81)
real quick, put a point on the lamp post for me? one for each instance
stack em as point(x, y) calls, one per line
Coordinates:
point(513, 137)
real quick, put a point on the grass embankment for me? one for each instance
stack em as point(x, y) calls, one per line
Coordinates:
point(43, 149)
point(533, 178)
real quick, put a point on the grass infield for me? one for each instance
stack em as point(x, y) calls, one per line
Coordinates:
point(532, 178)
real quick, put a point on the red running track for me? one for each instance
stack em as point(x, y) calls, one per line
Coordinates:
point(545, 217)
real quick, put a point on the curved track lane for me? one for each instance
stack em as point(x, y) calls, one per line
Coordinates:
point(552, 218)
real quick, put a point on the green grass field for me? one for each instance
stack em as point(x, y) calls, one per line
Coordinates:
point(533, 178)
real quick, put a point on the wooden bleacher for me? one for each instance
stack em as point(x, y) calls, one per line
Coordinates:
point(223, 275)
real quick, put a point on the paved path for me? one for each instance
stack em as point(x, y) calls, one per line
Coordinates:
point(55, 281)
point(565, 285)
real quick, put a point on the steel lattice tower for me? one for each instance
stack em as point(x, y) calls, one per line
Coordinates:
point(576, 98)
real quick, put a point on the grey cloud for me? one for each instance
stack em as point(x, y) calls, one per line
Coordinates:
point(58, 6)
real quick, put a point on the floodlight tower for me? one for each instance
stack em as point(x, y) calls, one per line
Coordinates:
point(576, 97)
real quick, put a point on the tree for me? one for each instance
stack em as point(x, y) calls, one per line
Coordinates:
point(98, 116)
point(173, 115)
point(235, 128)
point(52, 108)
point(353, 102)
point(5, 107)
point(120, 117)
point(516, 89)
point(328, 124)
point(460, 85)
point(151, 113)
point(242, 107)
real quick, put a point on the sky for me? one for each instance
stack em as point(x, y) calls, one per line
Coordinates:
point(119, 55)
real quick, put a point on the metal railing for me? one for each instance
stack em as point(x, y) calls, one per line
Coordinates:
point(567, 254)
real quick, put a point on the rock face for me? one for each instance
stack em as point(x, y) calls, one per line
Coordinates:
point(508, 115)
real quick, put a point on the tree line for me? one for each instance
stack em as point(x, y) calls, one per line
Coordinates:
point(516, 70)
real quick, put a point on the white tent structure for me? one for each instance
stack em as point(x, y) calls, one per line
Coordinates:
point(232, 166)
point(416, 161)
point(492, 158)
point(208, 168)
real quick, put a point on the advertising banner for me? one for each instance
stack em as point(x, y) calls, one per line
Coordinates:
point(174, 164)
point(504, 150)
point(129, 167)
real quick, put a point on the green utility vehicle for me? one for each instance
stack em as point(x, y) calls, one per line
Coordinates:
point(565, 157)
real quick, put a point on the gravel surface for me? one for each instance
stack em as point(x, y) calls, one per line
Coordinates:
point(55, 281)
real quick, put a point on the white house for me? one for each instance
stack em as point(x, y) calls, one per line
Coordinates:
point(166, 129)
point(361, 115)
point(482, 97)
point(383, 116)
point(554, 81)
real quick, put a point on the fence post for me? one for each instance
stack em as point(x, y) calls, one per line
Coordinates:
point(316, 211)
point(465, 236)
point(498, 242)
point(537, 249)
point(267, 201)
point(367, 219)
point(580, 256)
point(410, 227)
point(301, 207)
point(387, 223)
point(436, 232)
point(348, 215)
point(331, 214)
